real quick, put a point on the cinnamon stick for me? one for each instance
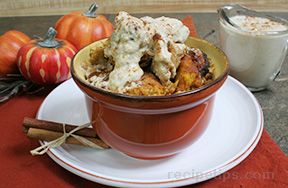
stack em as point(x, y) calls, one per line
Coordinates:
point(48, 131)
point(57, 127)
point(46, 135)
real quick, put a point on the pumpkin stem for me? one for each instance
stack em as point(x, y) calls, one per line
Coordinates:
point(91, 11)
point(49, 41)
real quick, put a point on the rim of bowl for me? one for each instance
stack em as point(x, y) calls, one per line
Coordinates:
point(141, 98)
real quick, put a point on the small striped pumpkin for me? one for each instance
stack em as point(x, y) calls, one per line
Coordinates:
point(46, 61)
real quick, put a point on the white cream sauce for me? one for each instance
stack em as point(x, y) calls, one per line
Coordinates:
point(257, 24)
point(134, 37)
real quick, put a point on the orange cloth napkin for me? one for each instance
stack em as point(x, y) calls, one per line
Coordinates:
point(188, 22)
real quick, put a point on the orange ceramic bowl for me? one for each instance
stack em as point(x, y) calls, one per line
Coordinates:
point(152, 127)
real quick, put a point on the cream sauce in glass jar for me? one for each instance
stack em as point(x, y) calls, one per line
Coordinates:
point(256, 44)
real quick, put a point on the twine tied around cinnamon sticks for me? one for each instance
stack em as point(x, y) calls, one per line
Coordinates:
point(61, 140)
point(58, 133)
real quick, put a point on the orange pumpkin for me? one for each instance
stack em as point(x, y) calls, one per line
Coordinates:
point(46, 61)
point(10, 43)
point(82, 29)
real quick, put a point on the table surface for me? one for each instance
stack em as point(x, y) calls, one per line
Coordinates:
point(274, 100)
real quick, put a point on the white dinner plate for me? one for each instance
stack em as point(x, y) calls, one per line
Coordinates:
point(232, 134)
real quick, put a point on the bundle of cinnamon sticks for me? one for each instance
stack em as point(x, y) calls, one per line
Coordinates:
point(48, 131)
